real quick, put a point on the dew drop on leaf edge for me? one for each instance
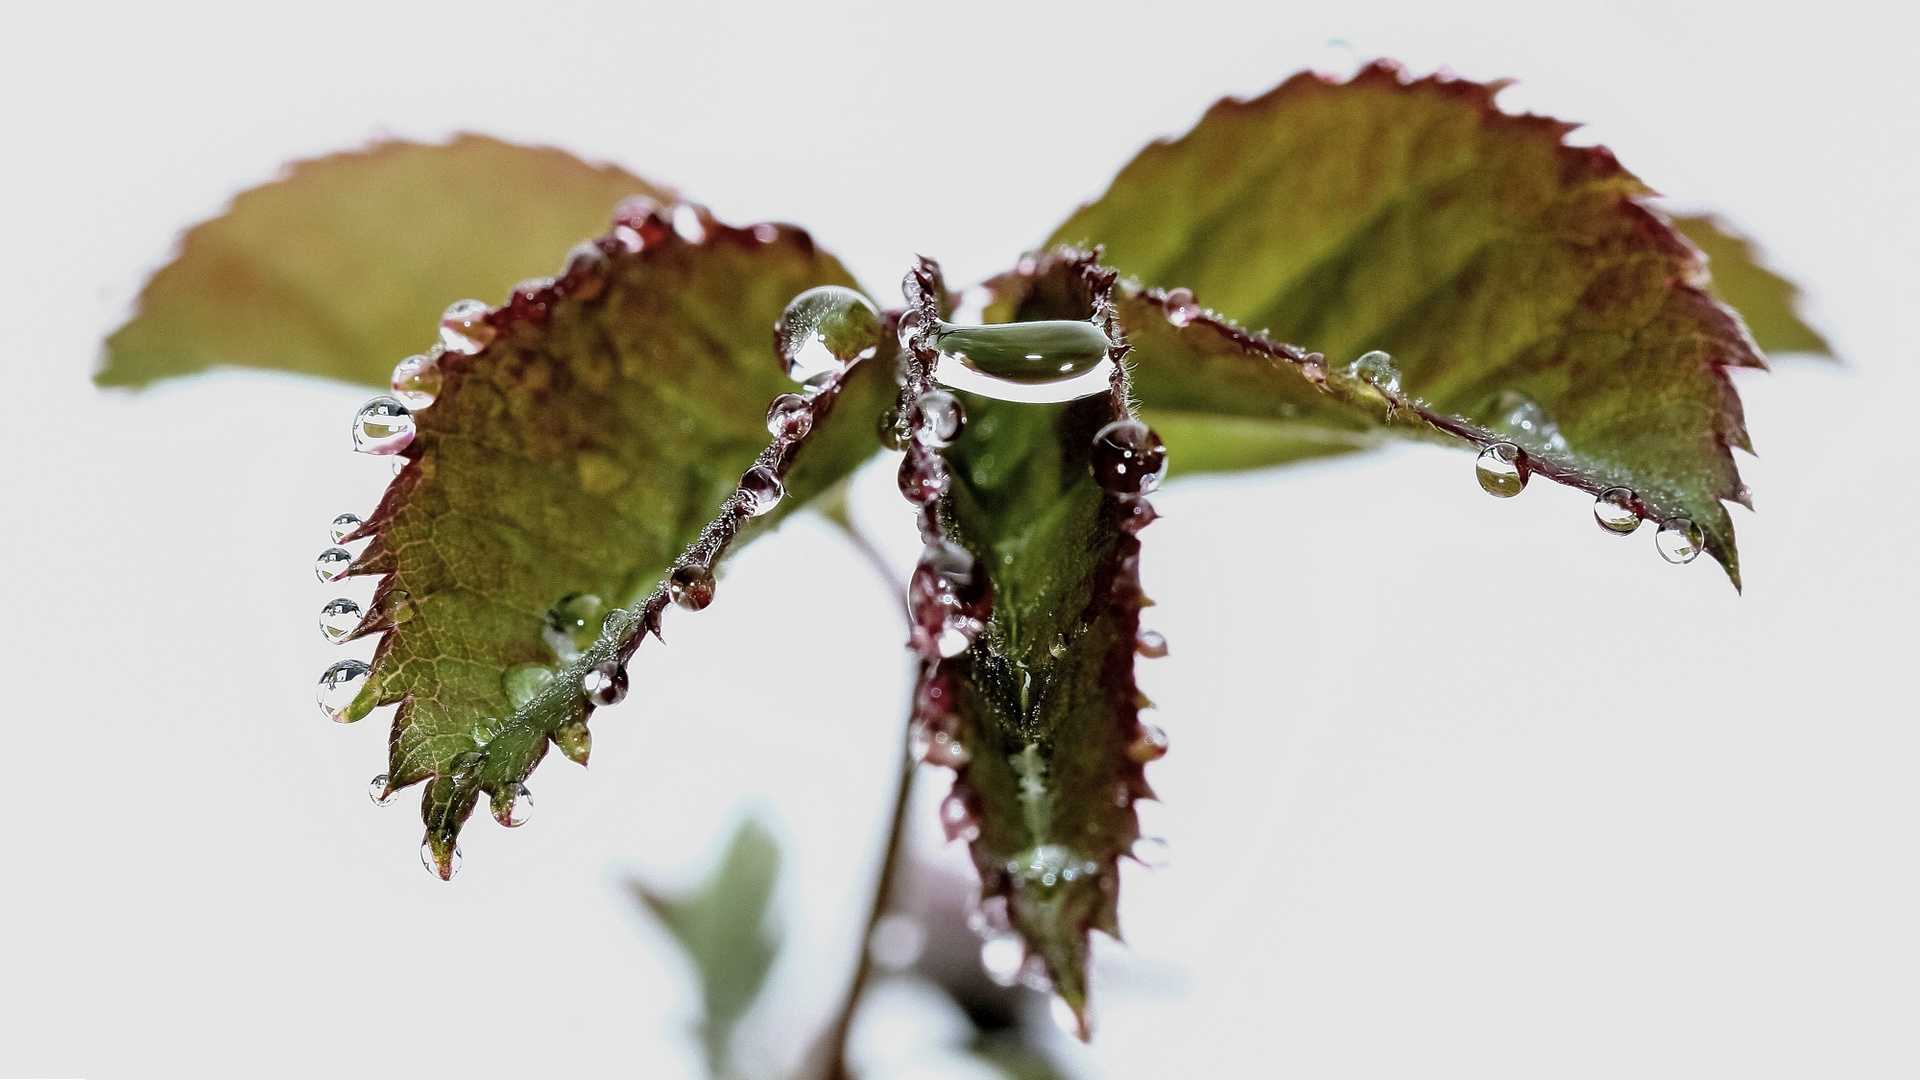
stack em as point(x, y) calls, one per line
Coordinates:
point(377, 790)
point(417, 380)
point(339, 685)
point(433, 866)
point(1001, 957)
point(464, 328)
point(382, 426)
point(760, 491)
point(823, 330)
point(691, 587)
point(1613, 510)
point(332, 564)
point(605, 683)
point(789, 417)
point(1128, 458)
point(1501, 470)
point(516, 808)
point(343, 527)
point(1679, 540)
point(338, 618)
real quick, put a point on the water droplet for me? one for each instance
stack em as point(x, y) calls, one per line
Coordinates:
point(524, 683)
point(1180, 307)
point(1152, 852)
point(1502, 470)
point(766, 232)
point(957, 818)
point(1679, 540)
point(1149, 744)
point(343, 527)
point(575, 740)
point(1377, 368)
point(332, 564)
point(1150, 644)
point(417, 380)
point(338, 618)
point(605, 683)
point(691, 586)
point(382, 426)
point(513, 805)
point(433, 865)
point(1613, 509)
point(339, 685)
point(1520, 416)
point(1128, 458)
point(395, 608)
point(532, 300)
point(583, 273)
point(1049, 351)
point(822, 331)
point(1136, 514)
point(572, 624)
point(893, 433)
point(377, 790)
point(789, 417)
point(909, 325)
point(687, 222)
point(464, 328)
point(760, 491)
point(1001, 957)
point(923, 477)
point(897, 941)
point(635, 211)
point(941, 418)
point(949, 600)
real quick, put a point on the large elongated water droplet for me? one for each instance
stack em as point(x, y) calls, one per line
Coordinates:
point(1502, 470)
point(1128, 458)
point(1613, 509)
point(332, 564)
point(1679, 540)
point(417, 380)
point(339, 685)
point(760, 491)
point(822, 331)
point(382, 426)
point(1026, 352)
point(572, 624)
point(605, 683)
point(464, 328)
point(338, 618)
point(343, 527)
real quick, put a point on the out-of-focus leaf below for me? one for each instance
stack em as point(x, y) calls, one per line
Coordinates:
point(1769, 303)
point(342, 266)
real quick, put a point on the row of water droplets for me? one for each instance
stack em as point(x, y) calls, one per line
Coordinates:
point(1503, 468)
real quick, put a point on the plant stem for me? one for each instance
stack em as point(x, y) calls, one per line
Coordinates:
point(835, 1039)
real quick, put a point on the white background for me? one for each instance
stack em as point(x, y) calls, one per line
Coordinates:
point(1459, 787)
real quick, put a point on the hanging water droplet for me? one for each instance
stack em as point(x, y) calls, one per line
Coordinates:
point(513, 805)
point(923, 477)
point(1150, 644)
point(417, 380)
point(338, 618)
point(1128, 458)
point(1152, 852)
point(789, 417)
point(583, 273)
point(572, 624)
point(1502, 470)
point(691, 586)
point(941, 418)
point(687, 222)
point(377, 790)
point(760, 491)
point(1001, 957)
point(382, 426)
point(1180, 308)
point(605, 683)
point(464, 328)
point(343, 527)
point(1149, 744)
point(433, 866)
point(339, 685)
point(956, 818)
point(524, 683)
point(1377, 368)
point(822, 331)
point(1032, 353)
point(332, 564)
point(1679, 540)
point(1613, 509)
point(575, 740)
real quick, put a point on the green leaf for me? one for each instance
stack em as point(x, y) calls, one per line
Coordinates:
point(596, 444)
point(1769, 303)
point(342, 267)
point(724, 927)
point(1039, 715)
point(1502, 269)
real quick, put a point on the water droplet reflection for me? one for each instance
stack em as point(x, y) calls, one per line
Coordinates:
point(1613, 509)
point(1501, 470)
point(1679, 540)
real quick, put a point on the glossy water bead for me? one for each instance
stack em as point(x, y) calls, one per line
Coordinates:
point(382, 426)
point(605, 683)
point(377, 790)
point(822, 331)
point(760, 491)
point(338, 618)
point(1613, 509)
point(1679, 540)
point(941, 418)
point(332, 564)
point(513, 805)
point(789, 417)
point(343, 527)
point(339, 685)
point(691, 586)
point(1025, 352)
point(432, 863)
point(1502, 470)
point(417, 379)
point(464, 328)
point(1128, 458)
